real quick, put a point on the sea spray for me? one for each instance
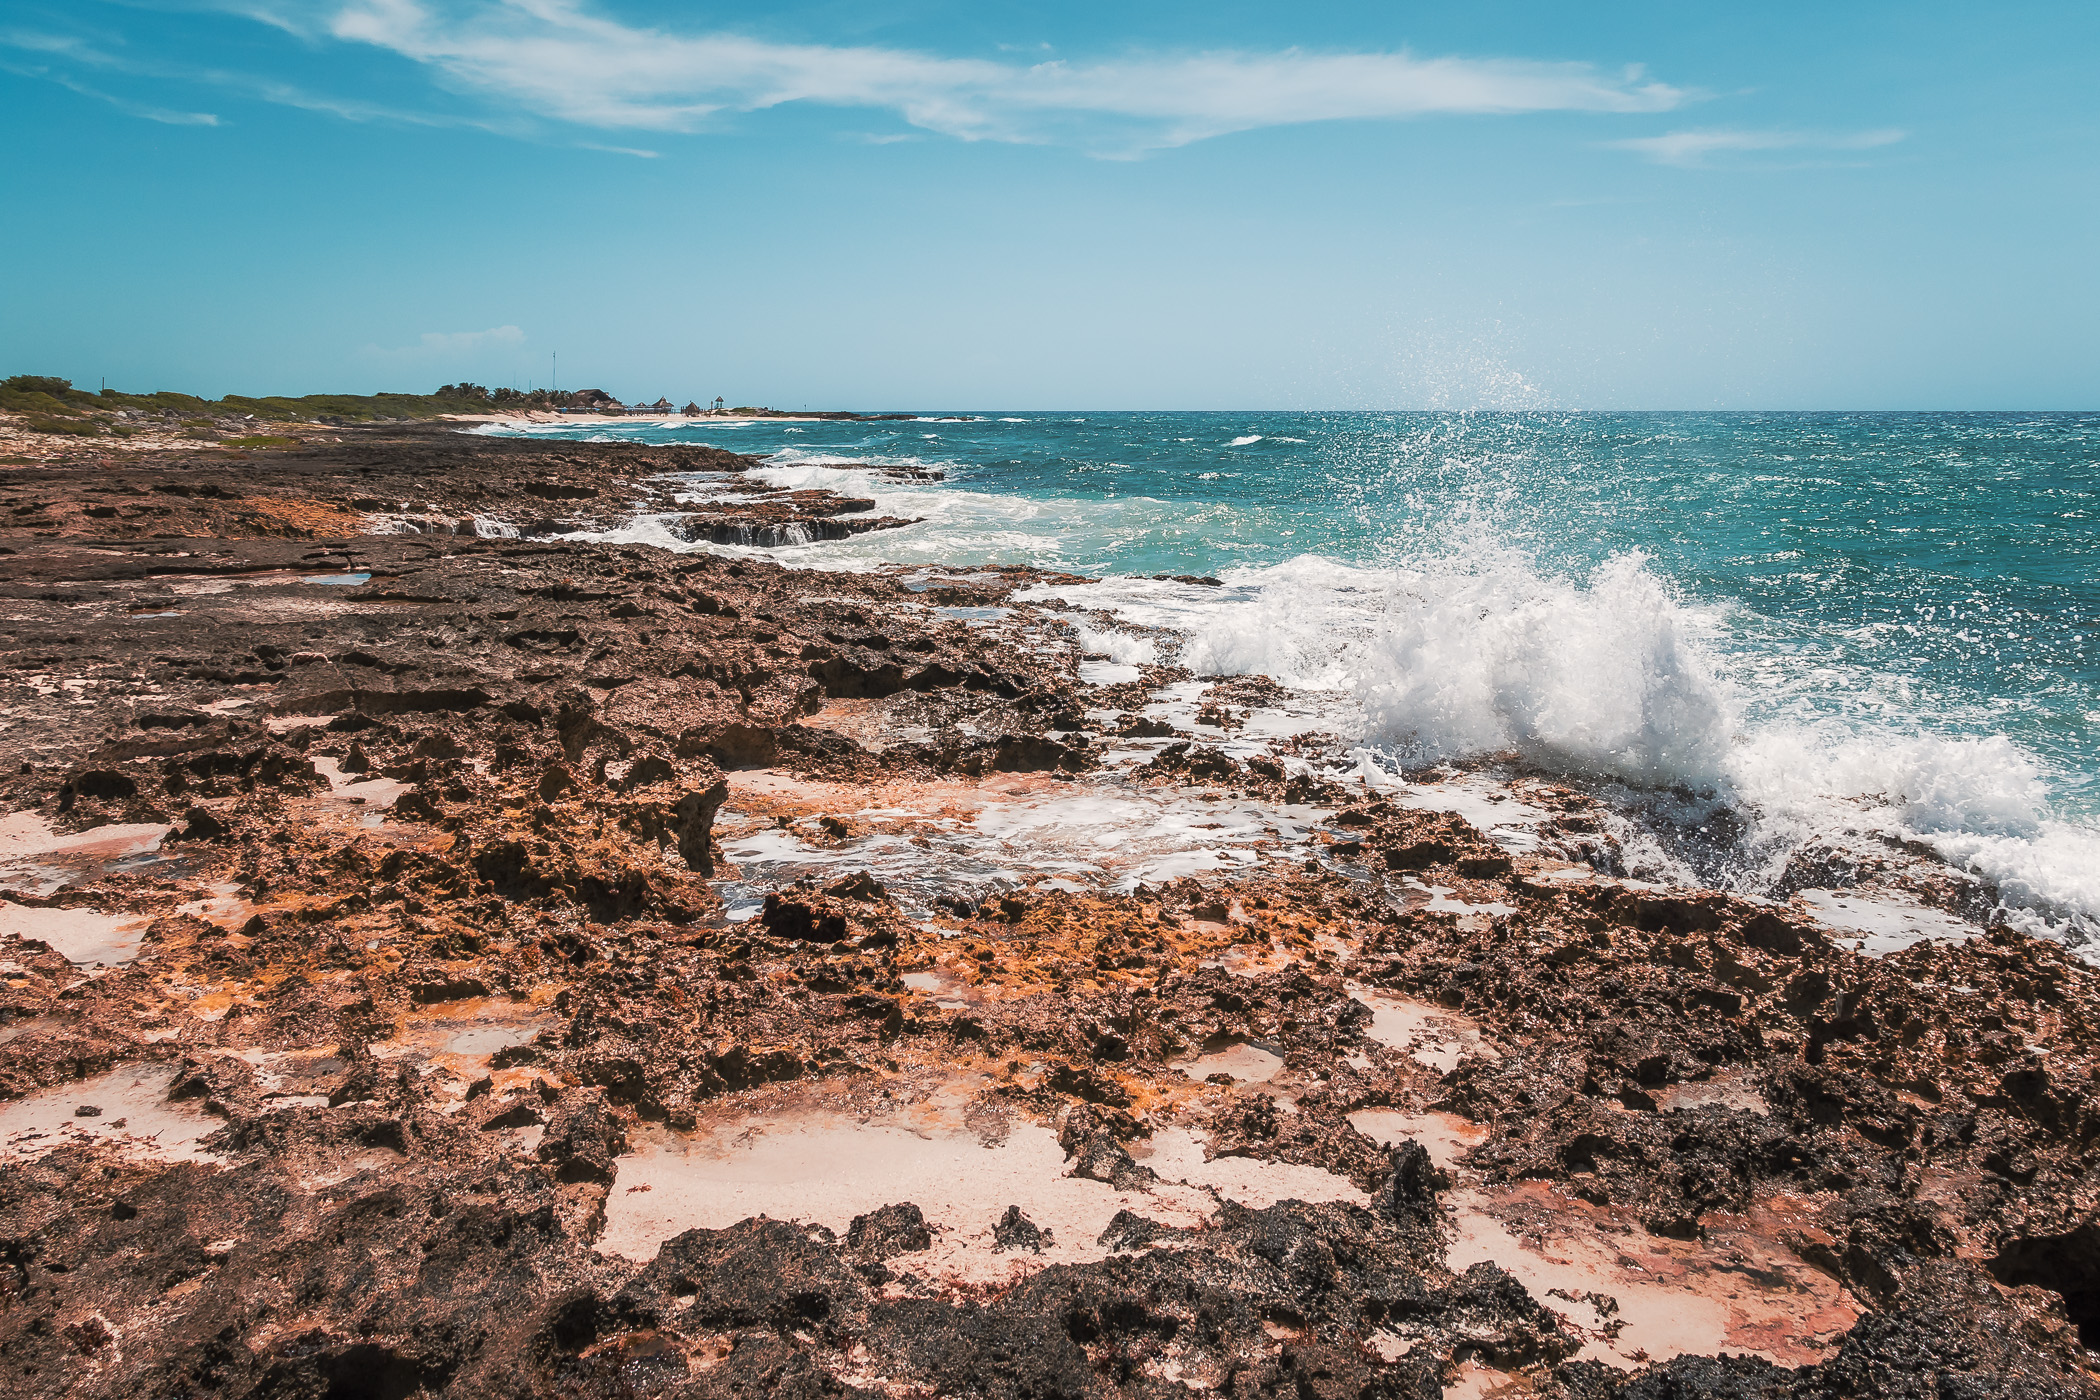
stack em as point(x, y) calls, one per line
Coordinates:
point(1614, 679)
point(1754, 632)
point(1451, 659)
point(1119, 646)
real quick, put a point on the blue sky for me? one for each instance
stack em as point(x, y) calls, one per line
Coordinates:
point(1167, 205)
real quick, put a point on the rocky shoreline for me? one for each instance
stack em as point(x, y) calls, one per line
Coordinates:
point(446, 958)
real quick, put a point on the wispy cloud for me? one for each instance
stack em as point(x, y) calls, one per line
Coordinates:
point(145, 111)
point(1697, 148)
point(37, 41)
point(441, 345)
point(559, 60)
point(65, 55)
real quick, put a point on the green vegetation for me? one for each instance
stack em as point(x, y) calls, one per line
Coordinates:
point(49, 404)
point(261, 440)
point(71, 427)
point(41, 395)
point(346, 408)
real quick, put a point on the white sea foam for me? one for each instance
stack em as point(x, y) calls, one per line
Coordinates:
point(1473, 650)
point(1246, 441)
point(1461, 659)
point(1614, 678)
point(1119, 646)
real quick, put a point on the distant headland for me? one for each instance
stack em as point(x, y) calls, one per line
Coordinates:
point(42, 413)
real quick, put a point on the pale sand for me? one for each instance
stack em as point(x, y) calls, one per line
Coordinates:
point(823, 1167)
point(80, 936)
point(137, 1120)
point(1431, 1035)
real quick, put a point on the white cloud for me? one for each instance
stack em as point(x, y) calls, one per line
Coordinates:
point(66, 48)
point(1693, 148)
point(79, 53)
point(440, 345)
point(144, 110)
point(64, 45)
point(559, 60)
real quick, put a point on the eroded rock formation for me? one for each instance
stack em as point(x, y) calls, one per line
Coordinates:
point(463, 961)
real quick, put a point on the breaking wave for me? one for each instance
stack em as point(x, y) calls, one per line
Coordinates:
point(1619, 600)
point(1613, 678)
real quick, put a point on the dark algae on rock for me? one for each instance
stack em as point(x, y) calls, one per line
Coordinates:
point(445, 958)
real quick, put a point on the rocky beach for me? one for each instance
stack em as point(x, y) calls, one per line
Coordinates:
point(445, 957)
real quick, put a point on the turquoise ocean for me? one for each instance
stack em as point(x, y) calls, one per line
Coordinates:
point(1766, 630)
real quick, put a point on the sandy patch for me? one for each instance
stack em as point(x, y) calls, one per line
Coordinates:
point(1444, 1136)
point(1431, 1035)
point(80, 936)
point(824, 1167)
point(38, 859)
point(1636, 1298)
point(135, 1118)
point(1249, 1064)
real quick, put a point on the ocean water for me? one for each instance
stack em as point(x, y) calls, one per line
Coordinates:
point(1761, 629)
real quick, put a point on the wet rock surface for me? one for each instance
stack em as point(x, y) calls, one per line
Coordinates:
point(409, 941)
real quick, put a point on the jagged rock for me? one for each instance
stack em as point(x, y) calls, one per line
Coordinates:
point(890, 1231)
point(199, 824)
point(806, 919)
point(1090, 1145)
point(582, 1138)
point(1409, 1194)
point(372, 1220)
point(1017, 1231)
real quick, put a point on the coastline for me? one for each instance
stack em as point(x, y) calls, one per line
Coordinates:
point(21, 443)
point(545, 417)
point(518, 879)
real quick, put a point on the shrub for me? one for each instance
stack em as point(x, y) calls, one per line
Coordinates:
point(51, 397)
point(37, 384)
point(14, 401)
point(71, 427)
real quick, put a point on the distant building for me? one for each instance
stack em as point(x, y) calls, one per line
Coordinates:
point(593, 401)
